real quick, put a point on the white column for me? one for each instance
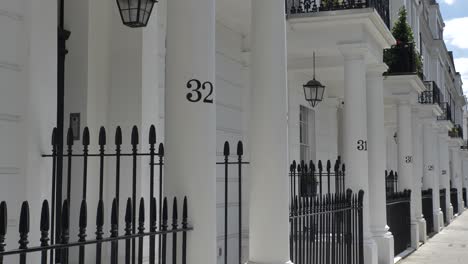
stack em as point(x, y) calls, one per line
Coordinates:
point(456, 174)
point(355, 136)
point(444, 171)
point(461, 205)
point(405, 163)
point(190, 127)
point(377, 164)
point(416, 212)
point(269, 209)
point(430, 167)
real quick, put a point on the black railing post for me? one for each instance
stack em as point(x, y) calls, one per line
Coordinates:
point(3, 227)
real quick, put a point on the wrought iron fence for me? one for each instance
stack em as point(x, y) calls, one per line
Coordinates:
point(465, 202)
point(443, 205)
point(454, 200)
point(239, 163)
point(432, 95)
point(165, 235)
point(427, 204)
point(401, 59)
point(391, 182)
point(311, 180)
point(294, 7)
point(55, 220)
point(327, 229)
point(447, 112)
point(399, 219)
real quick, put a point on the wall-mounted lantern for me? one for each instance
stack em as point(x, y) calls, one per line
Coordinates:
point(135, 13)
point(314, 90)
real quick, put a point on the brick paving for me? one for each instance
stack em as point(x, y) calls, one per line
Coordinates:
point(450, 246)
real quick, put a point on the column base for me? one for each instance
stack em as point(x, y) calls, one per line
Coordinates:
point(422, 229)
point(414, 234)
point(370, 251)
point(438, 221)
point(385, 246)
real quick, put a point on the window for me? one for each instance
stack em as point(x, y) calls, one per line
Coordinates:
point(304, 133)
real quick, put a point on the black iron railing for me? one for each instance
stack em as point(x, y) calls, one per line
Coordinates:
point(443, 204)
point(294, 7)
point(432, 95)
point(327, 229)
point(427, 204)
point(399, 219)
point(447, 112)
point(456, 132)
point(400, 59)
point(391, 182)
point(311, 180)
point(454, 200)
point(228, 167)
point(465, 201)
point(156, 231)
point(55, 220)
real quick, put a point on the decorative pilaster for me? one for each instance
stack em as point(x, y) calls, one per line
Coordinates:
point(190, 119)
point(416, 212)
point(377, 163)
point(269, 209)
point(355, 135)
point(431, 166)
point(444, 171)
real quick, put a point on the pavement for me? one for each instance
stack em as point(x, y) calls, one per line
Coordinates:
point(450, 246)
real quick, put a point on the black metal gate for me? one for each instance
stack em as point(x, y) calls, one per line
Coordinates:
point(427, 209)
point(443, 205)
point(399, 219)
point(327, 229)
point(454, 200)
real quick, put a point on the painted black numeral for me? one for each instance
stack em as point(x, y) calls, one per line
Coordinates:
point(196, 95)
point(362, 145)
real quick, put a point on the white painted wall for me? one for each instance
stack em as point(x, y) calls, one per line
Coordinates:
point(27, 112)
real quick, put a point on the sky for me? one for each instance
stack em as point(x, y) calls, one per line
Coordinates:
point(455, 13)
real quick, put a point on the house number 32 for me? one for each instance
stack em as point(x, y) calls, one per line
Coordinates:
point(196, 95)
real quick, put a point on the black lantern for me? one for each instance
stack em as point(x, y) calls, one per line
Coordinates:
point(314, 90)
point(135, 13)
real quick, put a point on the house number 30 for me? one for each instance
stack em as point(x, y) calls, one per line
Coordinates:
point(196, 87)
point(409, 159)
point(362, 145)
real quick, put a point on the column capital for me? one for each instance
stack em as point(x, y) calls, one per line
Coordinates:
point(352, 51)
point(376, 69)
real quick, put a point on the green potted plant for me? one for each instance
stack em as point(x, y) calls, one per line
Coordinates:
point(403, 34)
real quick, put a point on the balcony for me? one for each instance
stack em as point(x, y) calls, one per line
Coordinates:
point(432, 95)
point(294, 7)
point(446, 113)
point(401, 59)
point(456, 132)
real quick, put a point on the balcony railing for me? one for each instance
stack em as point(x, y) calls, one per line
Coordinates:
point(432, 95)
point(456, 132)
point(447, 112)
point(313, 6)
point(401, 59)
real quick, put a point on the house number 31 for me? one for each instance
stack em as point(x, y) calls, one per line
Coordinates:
point(362, 145)
point(196, 95)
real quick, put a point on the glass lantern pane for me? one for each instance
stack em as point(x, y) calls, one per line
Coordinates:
point(320, 92)
point(123, 4)
point(133, 3)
